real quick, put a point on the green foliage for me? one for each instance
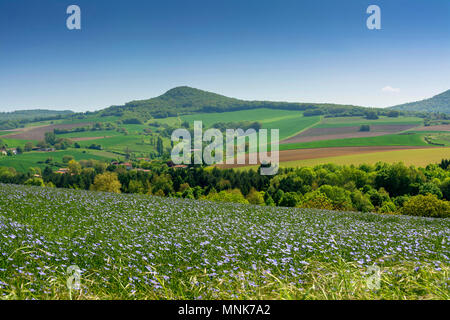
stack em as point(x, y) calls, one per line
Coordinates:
point(290, 199)
point(364, 128)
point(439, 103)
point(234, 195)
point(426, 206)
point(107, 182)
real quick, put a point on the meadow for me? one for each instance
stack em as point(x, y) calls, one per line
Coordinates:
point(22, 162)
point(145, 247)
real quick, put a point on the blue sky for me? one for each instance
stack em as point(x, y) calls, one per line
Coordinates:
point(282, 50)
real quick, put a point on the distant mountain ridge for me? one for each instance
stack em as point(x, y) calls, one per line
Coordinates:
point(439, 103)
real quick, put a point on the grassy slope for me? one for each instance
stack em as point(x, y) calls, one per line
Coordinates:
point(30, 159)
point(357, 121)
point(386, 140)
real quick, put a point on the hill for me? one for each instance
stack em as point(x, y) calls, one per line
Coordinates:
point(187, 100)
point(439, 103)
point(16, 119)
point(32, 114)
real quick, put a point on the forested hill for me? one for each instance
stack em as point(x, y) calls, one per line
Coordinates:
point(185, 100)
point(439, 103)
point(32, 114)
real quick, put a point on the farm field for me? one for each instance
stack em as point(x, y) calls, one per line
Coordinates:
point(22, 162)
point(351, 121)
point(145, 247)
point(416, 157)
point(356, 155)
point(410, 139)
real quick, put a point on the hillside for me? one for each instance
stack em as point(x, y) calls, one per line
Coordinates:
point(32, 114)
point(438, 103)
point(186, 100)
point(145, 247)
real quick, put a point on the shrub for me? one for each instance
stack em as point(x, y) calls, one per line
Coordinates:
point(426, 206)
point(388, 207)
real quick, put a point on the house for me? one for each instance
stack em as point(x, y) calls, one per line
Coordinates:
point(62, 171)
point(179, 166)
point(127, 165)
point(3, 152)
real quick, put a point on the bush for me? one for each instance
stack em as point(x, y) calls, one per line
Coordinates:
point(388, 207)
point(426, 206)
point(364, 128)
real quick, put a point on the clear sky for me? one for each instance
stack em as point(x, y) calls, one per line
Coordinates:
point(282, 50)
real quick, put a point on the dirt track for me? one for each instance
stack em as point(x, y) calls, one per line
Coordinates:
point(38, 133)
point(303, 154)
point(317, 134)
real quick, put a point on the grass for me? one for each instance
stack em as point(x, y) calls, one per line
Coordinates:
point(416, 157)
point(23, 162)
point(413, 139)
point(288, 122)
point(14, 143)
point(144, 247)
point(357, 121)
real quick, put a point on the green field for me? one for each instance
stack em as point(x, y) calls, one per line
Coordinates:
point(144, 247)
point(288, 122)
point(357, 121)
point(386, 140)
point(26, 160)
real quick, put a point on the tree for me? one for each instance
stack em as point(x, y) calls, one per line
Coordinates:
point(28, 147)
point(74, 167)
point(35, 182)
point(371, 115)
point(50, 138)
point(67, 158)
point(317, 200)
point(364, 128)
point(393, 114)
point(107, 182)
point(136, 186)
point(160, 146)
point(290, 199)
point(255, 197)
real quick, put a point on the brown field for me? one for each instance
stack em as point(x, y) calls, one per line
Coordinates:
point(38, 133)
point(442, 127)
point(305, 154)
point(317, 134)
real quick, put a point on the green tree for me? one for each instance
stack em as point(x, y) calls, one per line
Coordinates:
point(107, 182)
point(160, 146)
point(426, 206)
